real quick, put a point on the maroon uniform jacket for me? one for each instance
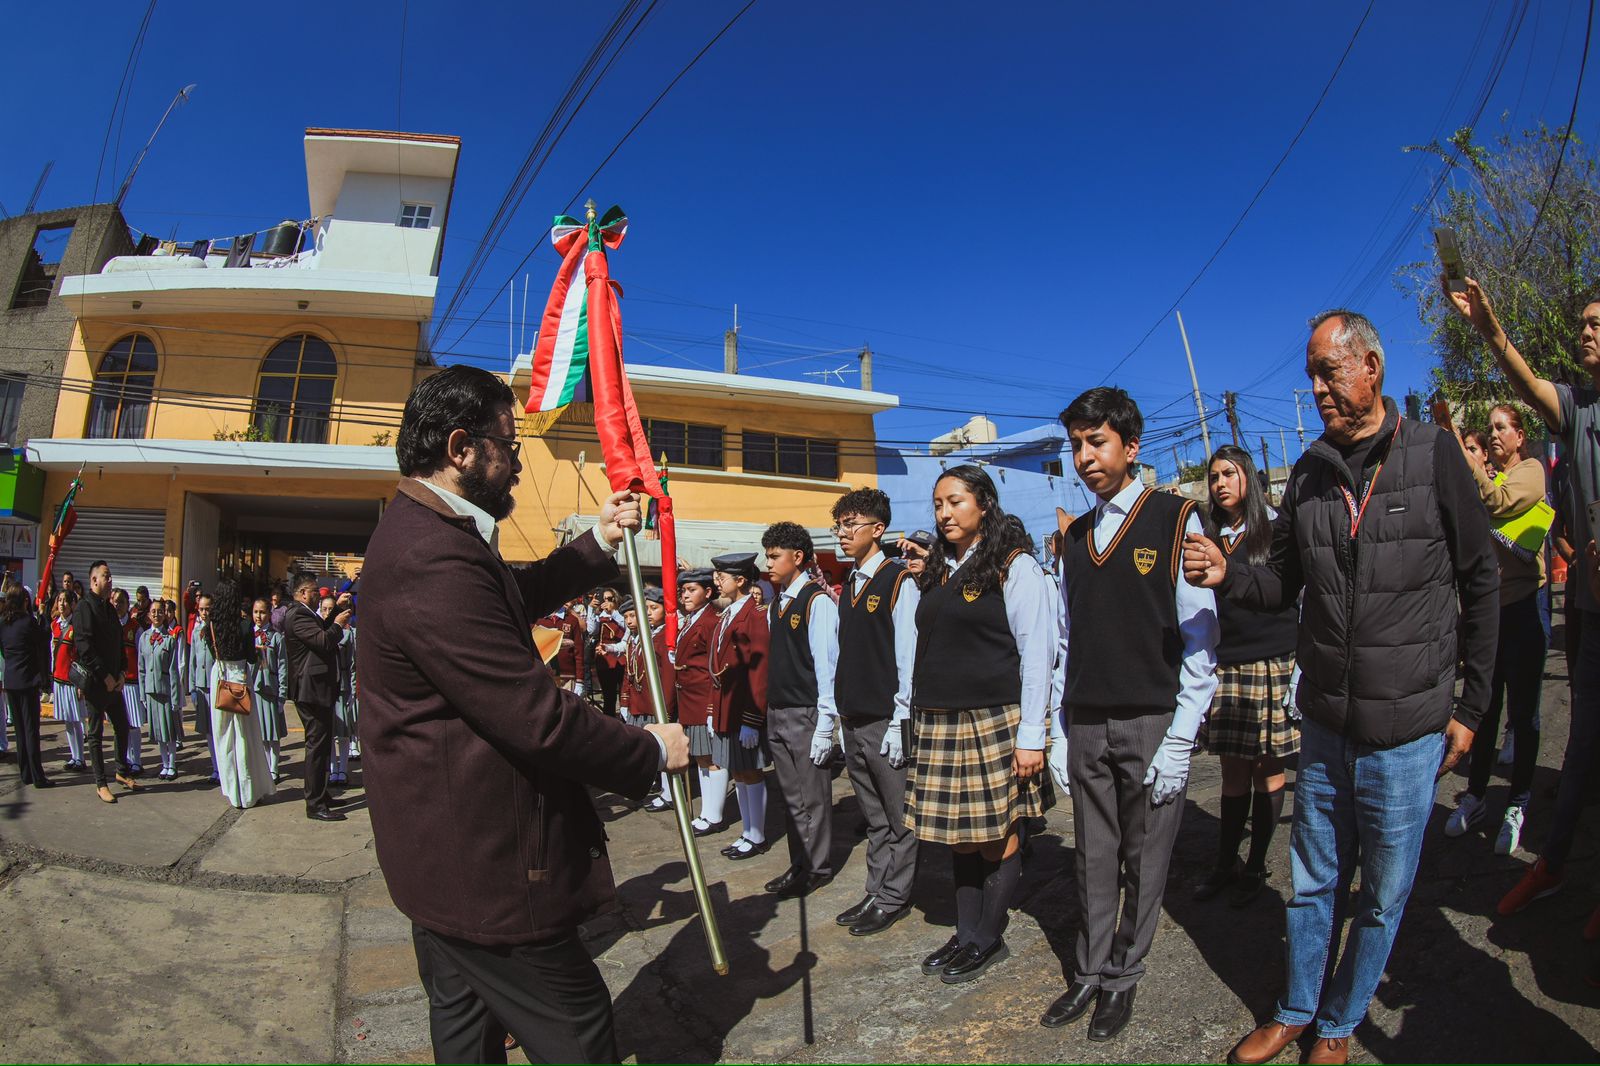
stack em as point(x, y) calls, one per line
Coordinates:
point(739, 670)
point(477, 765)
point(570, 659)
point(611, 631)
point(693, 669)
point(636, 684)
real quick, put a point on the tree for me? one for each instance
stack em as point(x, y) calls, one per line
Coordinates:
point(1540, 280)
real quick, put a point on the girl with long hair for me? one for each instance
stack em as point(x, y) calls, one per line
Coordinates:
point(1250, 727)
point(987, 634)
point(241, 753)
point(63, 696)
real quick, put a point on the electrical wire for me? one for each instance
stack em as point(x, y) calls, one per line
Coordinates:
point(1566, 139)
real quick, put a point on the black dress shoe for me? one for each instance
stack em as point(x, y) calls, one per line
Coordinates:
point(1249, 887)
point(325, 815)
point(738, 854)
point(804, 885)
point(853, 915)
point(1111, 1014)
point(1215, 882)
point(711, 829)
point(1078, 998)
point(941, 958)
point(875, 919)
point(785, 879)
point(43, 782)
point(970, 963)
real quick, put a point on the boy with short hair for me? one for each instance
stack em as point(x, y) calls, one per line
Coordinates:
point(803, 625)
point(1140, 674)
point(739, 712)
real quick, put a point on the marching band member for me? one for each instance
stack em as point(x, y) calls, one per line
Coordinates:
point(607, 623)
point(739, 654)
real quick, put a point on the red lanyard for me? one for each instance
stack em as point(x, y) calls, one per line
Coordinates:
point(1356, 513)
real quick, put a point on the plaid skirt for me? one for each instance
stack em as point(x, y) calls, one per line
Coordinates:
point(960, 788)
point(1247, 718)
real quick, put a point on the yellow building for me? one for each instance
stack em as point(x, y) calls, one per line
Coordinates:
point(233, 411)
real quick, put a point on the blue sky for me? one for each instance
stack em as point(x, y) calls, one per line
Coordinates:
point(1000, 200)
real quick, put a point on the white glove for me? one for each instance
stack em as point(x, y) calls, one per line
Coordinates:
point(1169, 770)
point(749, 736)
point(1291, 704)
point(1057, 758)
point(822, 741)
point(892, 747)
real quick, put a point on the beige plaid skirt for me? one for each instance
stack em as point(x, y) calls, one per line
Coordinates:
point(1247, 718)
point(960, 788)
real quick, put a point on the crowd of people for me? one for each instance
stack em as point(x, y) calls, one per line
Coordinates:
point(220, 667)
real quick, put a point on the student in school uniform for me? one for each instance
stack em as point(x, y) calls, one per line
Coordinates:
point(269, 683)
point(571, 663)
point(1141, 671)
point(132, 698)
point(609, 631)
point(803, 628)
point(161, 686)
point(63, 695)
point(986, 647)
point(636, 681)
point(739, 657)
point(198, 675)
point(1249, 727)
point(691, 664)
point(872, 689)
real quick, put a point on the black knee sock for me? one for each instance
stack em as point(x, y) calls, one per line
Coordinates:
point(999, 889)
point(1235, 809)
point(968, 868)
point(1264, 815)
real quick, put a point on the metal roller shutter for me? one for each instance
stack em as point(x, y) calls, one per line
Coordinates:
point(133, 542)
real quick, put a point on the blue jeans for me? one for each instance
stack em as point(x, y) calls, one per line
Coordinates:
point(1351, 803)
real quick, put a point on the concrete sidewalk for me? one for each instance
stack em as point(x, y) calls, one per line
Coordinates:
point(172, 927)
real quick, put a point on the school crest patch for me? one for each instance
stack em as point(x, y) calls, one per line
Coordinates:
point(970, 593)
point(1144, 559)
point(794, 621)
point(872, 602)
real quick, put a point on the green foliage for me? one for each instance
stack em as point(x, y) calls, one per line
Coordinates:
point(1191, 472)
point(382, 438)
point(1539, 287)
point(250, 433)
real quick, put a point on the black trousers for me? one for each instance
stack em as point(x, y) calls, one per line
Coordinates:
point(318, 722)
point(24, 706)
point(548, 995)
point(104, 705)
point(610, 679)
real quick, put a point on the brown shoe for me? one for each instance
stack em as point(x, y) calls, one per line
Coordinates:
point(127, 782)
point(1330, 1051)
point(105, 794)
point(1265, 1043)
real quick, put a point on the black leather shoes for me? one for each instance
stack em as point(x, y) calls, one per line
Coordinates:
point(710, 829)
point(875, 919)
point(941, 958)
point(804, 885)
point(1070, 1007)
point(970, 962)
point(325, 815)
point(1111, 1014)
point(1215, 882)
point(853, 915)
point(737, 853)
point(785, 879)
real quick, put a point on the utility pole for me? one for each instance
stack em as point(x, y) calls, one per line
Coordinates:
point(1299, 424)
point(127, 183)
point(730, 345)
point(1199, 404)
point(1266, 466)
point(1230, 401)
point(866, 369)
point(1283, 447)
point(1177, 467)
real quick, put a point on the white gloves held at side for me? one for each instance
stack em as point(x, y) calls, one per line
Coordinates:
point(1169, 770)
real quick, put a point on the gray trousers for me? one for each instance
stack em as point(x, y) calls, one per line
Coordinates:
point(881, 792)
point(806, 787)
point(1124, 845)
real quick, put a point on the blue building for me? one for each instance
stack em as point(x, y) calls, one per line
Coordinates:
point(1032, 469)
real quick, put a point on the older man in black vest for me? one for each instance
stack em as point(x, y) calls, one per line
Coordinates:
point(1386, 535)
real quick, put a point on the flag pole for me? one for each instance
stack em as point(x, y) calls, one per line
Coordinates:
point(680, 784)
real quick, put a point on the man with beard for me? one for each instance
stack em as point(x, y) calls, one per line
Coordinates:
point(477, 763)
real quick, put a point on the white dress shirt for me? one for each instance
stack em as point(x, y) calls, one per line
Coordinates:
point(822, 632)
point(1197, 618)
point(1032, 617)
point(904, 616)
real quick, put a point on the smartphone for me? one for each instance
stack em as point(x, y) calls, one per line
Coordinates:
point(1455, 273)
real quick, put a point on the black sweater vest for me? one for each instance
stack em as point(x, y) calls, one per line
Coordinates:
point(966, 655)
point(867, 677)
point(1124, 649)
point(791, 669)
point(1248, 635)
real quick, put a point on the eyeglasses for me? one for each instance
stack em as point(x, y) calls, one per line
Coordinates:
point(511, 444)
point(842, 529)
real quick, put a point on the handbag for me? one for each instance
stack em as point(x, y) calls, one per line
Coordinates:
point(79, 677)
point(232, 696)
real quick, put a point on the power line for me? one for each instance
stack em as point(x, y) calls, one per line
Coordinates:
point(1566, 138)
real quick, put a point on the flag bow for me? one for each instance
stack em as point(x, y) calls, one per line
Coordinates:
point(581, 335)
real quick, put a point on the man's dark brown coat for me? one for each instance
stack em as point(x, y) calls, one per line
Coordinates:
point(476, 762)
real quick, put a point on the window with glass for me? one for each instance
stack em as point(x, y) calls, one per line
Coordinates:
point(769, 453)
point(415, 216)
point(119, 400)
point(294, 398)
point(685, 443)
point(1053, 467)
point(10, 409)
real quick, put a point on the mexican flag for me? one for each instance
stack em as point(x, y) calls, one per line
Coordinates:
point(66, 518)
point(561, 356)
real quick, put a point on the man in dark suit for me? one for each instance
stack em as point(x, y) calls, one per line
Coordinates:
point(312, 647)
point(477, 763)
point(97, 638)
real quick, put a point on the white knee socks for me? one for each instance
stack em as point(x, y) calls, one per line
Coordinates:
point(713, 794)
point(74, 732)
point(753, 810)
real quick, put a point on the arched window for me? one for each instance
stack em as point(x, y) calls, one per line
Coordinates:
point(295, 394)
point(119, 403)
